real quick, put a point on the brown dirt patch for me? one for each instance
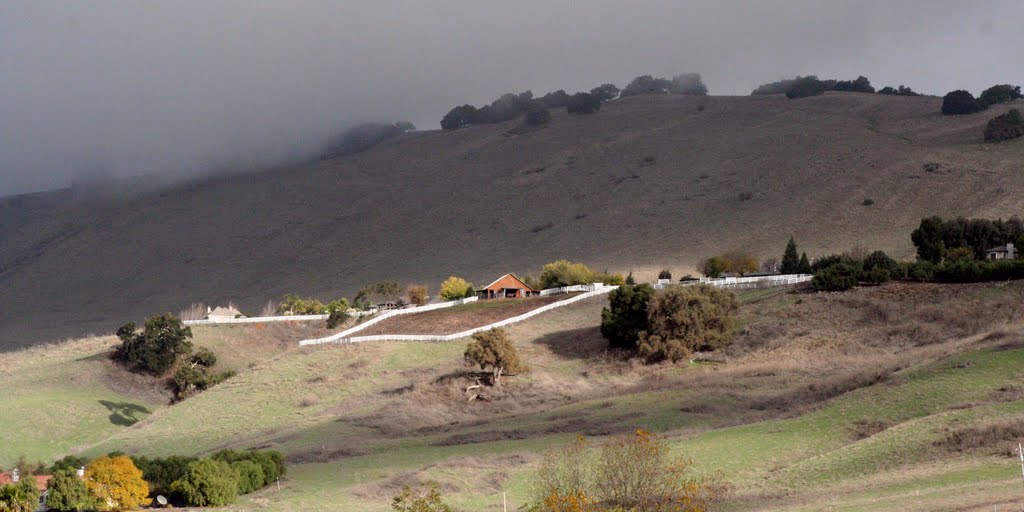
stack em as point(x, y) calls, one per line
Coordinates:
point(460, 318)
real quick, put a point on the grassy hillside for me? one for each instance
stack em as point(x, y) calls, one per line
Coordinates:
point(898, 397)
point(647, 183)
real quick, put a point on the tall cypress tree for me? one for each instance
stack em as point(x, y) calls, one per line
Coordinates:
point(790, 259)
point(805, 265)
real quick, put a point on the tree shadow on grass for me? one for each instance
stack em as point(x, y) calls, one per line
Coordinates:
point(124, 414)
point(585, 343)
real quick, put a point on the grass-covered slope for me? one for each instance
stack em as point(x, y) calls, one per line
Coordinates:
point(646, 183)
point(873, 399)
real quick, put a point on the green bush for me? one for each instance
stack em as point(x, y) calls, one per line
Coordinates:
point(270, 462)
point(337, 317)
point(684, 319)
point(626, 315)
point(605, 92)
point(999, 94)
point(493, 349)
point(878, 268)
point(583, 103)
point(565, 273)
point(69, 462)
point(1005, 127)
point(161, 472)
point(790, 260)
point(207, 483)
point(537, 114)
point(250, 476)
point(295, 305)
point(158, 347)
point(420, 500)
point(20, 497)
point(66, 492)
point(836, 278)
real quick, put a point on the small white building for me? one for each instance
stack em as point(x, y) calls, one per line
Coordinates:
point(1003, 252)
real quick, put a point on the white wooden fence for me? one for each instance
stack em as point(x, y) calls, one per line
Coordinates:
point(256, 319)
point(570, 289)
point(750, 282)
point(342, 337)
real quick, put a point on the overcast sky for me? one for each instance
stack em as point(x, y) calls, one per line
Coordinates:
point(177, 87)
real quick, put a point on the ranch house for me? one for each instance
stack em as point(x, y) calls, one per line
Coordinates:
point(1003, 252)
point(507, 286)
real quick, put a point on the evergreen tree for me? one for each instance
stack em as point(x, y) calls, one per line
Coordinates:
point(790, 260)
point(805, 265)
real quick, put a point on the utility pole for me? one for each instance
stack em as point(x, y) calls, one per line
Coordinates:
point(1020, 451)
point(504, 504)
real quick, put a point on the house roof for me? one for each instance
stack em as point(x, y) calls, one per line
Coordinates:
point(224, 311)
point(41, 480)
point(1001, 248)
point(513, 276)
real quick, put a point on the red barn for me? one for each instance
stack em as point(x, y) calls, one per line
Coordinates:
point(506, 287)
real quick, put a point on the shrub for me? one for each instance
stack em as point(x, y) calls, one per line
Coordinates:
point(207, 483)
point(157, 348)
point(919, 270)
point(790, 260)
point(901, 91)
point(665, 274)
point(626, 315)
point(193, 378)
point(565, 273)
point(583, 103)
point(740, 262)
point(426, 499)
point(805, 264)
point(958, 254)
point(19, 497)
point(688, 83)
point(999, 94)
point(556, 99)
point(69, 462)
point(685, 319)
point(605, 92)
point(836, 278)
point(867, 202)
point(629, 279)
point(270, 462)
point(928, 238)
point(455, 288)
point(628, 472)
point(417, 294)
point(878, 268)
point(609, 279)
point(294, 305)
point(116, 483)
point(337, 317)
point(537, 115)
point(65, 492)
point(160, 473)
point(492, 348)
point(1005, 127)
point(249, 475)
point(364, 136)
point(861, 84)
point(959, 102)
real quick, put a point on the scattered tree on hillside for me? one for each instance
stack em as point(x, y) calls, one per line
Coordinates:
point(493, 348)
point(665, 274)
point(424, 499)
point(583, 103)
point(1005, 127)
point(790, 260)
point(460, 117)
point(556, 99)
point(626, 315)
point(605, 92)
point(417, 294)
point(629, 279)
point(999, 94)
point(688, 83)
point(902, 91)
point(861, 84)
point(959, 102)
point(197, 374)
point(116, 483)
point(714, 267)
point(66, 492)
point(740, 262)
point(455, 288)
point(685, 319)
point(157, 348)
point(836, 278)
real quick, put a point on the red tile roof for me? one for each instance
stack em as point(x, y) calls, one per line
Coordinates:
point(41, 480)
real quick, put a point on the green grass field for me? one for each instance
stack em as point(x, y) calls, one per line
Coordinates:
point(782, 417)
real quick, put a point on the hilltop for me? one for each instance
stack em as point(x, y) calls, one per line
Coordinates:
point(648, 182)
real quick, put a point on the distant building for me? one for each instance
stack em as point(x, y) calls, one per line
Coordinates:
point(12, 477)
point(1003, 252)
point(507, 286)
point(223, 313)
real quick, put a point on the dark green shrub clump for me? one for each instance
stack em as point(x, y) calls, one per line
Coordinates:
point(1005, 127)
point(537, 115)
point(836, 278)
point(157, 348)
point(583, 103)
point(999, 94)
point(685, 319)
point(959, 102)
point(626, 315)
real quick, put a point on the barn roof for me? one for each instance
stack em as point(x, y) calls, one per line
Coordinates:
point(513, 276)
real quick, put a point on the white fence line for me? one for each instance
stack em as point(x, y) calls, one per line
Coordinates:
point(595, 290)
point(570, 289)
point(256, 319)
point(749, 282)
point(385, 316)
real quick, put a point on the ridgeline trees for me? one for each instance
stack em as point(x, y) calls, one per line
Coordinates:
point(583, 103)
point(901, 91)
point(493, 349)
point(999, 94)
point(605, 92)
point(959, 102)
point(685, 83)
point(934, 236)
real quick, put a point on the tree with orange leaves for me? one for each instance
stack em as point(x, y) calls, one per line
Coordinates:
point(116, 483)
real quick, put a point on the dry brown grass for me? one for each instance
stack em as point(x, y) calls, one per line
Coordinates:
point(998, 438)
